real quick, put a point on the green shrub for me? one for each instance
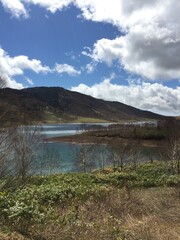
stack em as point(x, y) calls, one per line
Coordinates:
point(173, 180)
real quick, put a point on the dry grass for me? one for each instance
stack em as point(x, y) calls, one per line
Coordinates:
point(151, 214)
point(12, 236)
point(137, 214)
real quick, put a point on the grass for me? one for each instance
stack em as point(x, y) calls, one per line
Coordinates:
point(138, 203)
point(51, 118)
point(89, 120)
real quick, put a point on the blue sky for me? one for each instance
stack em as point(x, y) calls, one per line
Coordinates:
point(116, 50)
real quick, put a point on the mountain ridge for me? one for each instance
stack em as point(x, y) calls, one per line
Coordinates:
point(56, 104)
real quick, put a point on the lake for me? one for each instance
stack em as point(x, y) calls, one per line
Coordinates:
point(55, 157)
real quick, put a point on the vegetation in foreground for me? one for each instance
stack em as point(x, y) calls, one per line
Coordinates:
point(133, 204)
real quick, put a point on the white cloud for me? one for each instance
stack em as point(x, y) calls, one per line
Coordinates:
point(11, 83)
point(65, 68)
point(16, 7)
point(147, 96)
point(101, 11)
point(90, 67)
point(105, 50)
point(91, 9)
point(71, 54)
point(50, 5)
point(30, 81)
point(16, 65)
point(13, 66)
point(150, 40)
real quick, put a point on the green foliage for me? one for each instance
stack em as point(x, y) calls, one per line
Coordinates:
point(116, 178)
point(149, 133)
point(130, 132)
point(173, 180)
point(35, 203)
point(21, 210)
point(155, 174)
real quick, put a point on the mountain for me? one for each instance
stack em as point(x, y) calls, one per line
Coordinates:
point(56, 104)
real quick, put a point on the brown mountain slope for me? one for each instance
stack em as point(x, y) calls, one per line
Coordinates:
point(55, 104)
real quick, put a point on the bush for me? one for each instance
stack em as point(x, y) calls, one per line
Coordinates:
point(173, 180)
point(21, 210)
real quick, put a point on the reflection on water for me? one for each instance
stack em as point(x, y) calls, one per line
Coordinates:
point(56, 130)
point(54, 157)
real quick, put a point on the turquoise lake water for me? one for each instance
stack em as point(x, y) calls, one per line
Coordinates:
point(55, 157)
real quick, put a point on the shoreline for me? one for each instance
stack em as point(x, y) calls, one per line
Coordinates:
point(89, 139)
point(78, 138)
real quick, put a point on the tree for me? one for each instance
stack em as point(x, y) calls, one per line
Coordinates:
point(83, 156)
point(4, 144)
point(5, 154)
point(50, 159)
point(172, 127)
point(121, 149)
point(174, 154)
point(24, 143)
point(5, 166)
point(102, 155)
point(3, 83)
point(135, 153)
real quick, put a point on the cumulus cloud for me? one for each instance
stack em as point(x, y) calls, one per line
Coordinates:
point(9, 82)
point(12, 66)
point(150, 40)
point(52, 5)
point(151, 34)
point(16, 8)
point(91, 9)
point(106, 11)
point(16, 65)
point(147, 96)
point(65, 68)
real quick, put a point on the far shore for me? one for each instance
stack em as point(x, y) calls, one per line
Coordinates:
point(78, 138)
point(85, 139)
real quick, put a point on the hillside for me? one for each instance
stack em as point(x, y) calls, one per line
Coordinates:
point(55, 104)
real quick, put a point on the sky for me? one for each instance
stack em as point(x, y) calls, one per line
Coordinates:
point(117, 50)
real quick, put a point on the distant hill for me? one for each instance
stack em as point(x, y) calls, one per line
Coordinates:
point(55, 104)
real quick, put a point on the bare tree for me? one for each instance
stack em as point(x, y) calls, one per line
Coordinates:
point(50, 159)
point(102, 155)
point(135, 153)
point(172, 127)
point(5, 154)
point(121, 149)
point(83, 156)
point(4, 143)
point(113, 159)
point(173, 153)
point(3, 83)
point(24, 143)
